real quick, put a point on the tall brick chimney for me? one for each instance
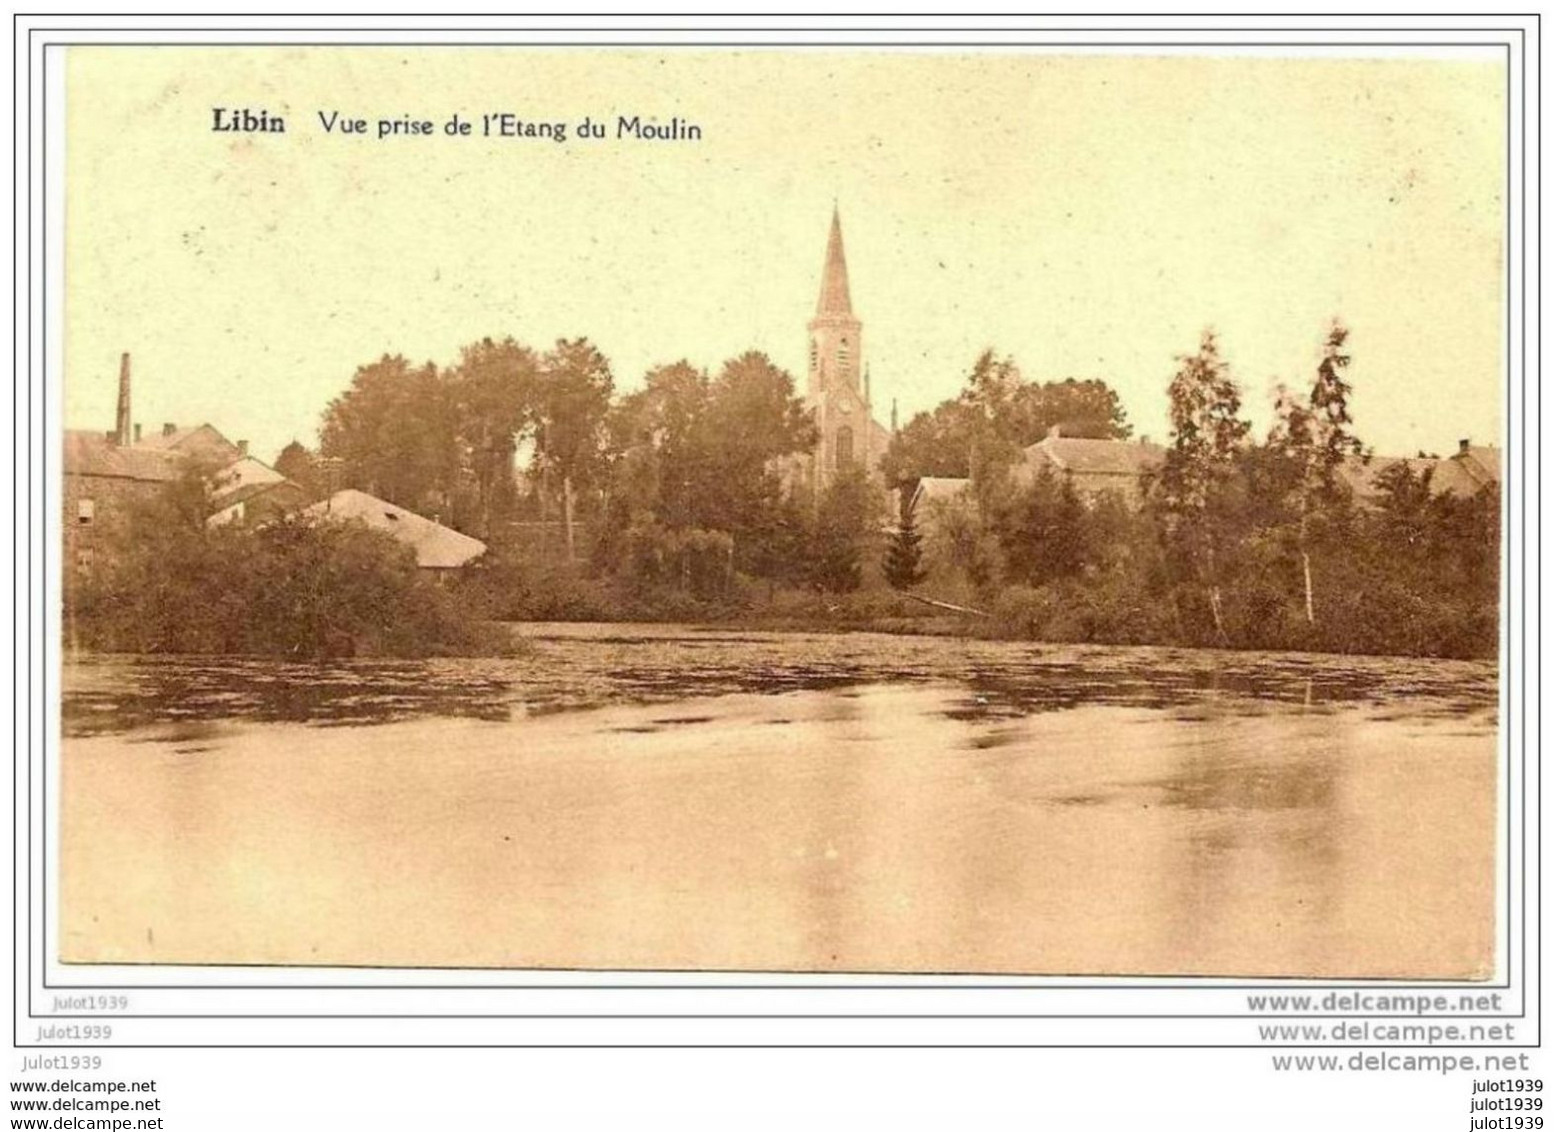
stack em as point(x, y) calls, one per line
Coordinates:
point(122, 432)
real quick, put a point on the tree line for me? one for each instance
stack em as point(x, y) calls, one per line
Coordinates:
point(687, 483)
point(1233, 541)
point(689, 498)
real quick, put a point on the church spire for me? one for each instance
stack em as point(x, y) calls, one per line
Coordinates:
point(834, 296)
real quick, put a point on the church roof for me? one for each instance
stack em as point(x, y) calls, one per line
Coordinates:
point(835, 298)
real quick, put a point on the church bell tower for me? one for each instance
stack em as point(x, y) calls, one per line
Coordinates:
point(835, 334)
point(838, 389)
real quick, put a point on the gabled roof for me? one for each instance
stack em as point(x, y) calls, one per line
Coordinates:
point(436, 547)
point(244, 492)
point(835, 298)
point(179, 437)
point(933, 488)
point(1448, 477)
point(1083, 456)
point(90, 453)
point(248, 471)
point(1481, 462)
point(165, 439)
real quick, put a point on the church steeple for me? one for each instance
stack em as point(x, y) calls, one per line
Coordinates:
point(835, 334)
point(835, 299)
point(838, 389)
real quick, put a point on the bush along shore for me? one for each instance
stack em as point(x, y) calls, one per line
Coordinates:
point(168, 583)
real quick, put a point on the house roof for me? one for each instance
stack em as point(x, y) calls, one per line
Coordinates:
point(436, 547)
point(179, 436)
point(240, 474)
point(1084, 456)
point(90, 453)
point(1449, 477)
point(244, 492)
point(937, 489)
point(1481, 462)
point(930, 488)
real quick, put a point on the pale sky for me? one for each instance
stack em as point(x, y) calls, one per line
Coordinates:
point(1088, 216)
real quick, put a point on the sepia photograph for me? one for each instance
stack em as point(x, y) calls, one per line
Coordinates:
point(924, 512)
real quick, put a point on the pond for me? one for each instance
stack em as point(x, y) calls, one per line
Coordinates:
point(678, 798)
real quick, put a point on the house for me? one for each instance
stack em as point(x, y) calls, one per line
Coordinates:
point(101, 479)
point(1464, 474)
point(1095, 467)
point(436, 547)
point(250, 491)
point(931, 495)
point(1479, 462)
point(105, 471)
point(203, 443)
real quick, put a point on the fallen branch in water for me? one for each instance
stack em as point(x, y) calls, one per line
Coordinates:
point(946, 605)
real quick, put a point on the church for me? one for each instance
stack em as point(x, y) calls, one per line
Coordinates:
point(837, 391)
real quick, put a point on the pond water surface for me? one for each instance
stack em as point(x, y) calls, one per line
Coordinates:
point(662, 797)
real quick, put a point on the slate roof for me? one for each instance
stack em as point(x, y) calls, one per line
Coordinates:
point(211, 437)
point(436, 547)
point(90, 453)
point(930, 488)
point(1449, 477)
point(1083, 456)
point(1481, 462)
point(244, 492)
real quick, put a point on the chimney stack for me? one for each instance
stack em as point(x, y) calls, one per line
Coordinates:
point(1462, 446)
point(137, 434)
point(1055, 432)
point(121, 424)
point(242, 448)
point(168, 428)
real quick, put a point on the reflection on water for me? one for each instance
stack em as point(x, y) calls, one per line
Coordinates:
point(786, 802)
point(579, 666)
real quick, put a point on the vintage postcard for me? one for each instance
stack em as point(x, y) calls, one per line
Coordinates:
point(925, 512)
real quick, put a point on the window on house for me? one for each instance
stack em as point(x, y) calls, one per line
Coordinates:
point(86, 511)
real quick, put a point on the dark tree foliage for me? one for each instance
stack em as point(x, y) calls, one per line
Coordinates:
point(694, 453)
point(1316, 437)
point(904, 551)
point(1042, 530)
point(395, 431)
point(684, 489)
point(568, 408)
point(300, 589)
point(1195, 489)
point(300, 466)
point(496, 388)
point(996, 415)
point(844, 530)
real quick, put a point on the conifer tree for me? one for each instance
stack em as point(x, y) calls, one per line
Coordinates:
point(904, 551)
